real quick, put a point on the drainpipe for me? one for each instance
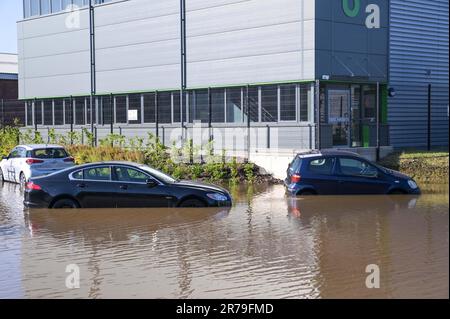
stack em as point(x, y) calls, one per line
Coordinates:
point(247, 102)
point(92, 53)
point(317, 105)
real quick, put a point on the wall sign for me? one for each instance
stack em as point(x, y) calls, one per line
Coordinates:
point(372, 10)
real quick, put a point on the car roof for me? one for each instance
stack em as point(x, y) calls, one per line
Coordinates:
point(327, 152)
point(30, 147)
point(109, 163)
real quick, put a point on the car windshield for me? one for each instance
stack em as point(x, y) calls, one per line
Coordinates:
point(158, 174)
point(44, 153)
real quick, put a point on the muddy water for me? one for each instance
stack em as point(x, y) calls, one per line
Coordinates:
point(267, 246)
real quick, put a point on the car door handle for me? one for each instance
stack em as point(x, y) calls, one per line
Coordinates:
point(81, 185)
point(124, 187)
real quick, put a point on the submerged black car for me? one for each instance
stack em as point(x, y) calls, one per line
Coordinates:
point(343, 173)
point(119, 184)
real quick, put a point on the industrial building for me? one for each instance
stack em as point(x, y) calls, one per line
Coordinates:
point(252, 74)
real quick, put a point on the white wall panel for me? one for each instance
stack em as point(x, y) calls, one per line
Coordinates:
point(54, 55)
point(252, 41)
point(138, 46)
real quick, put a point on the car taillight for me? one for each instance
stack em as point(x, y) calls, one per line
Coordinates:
point(33, 186)
point(295, 178)
point(69, 159)
point(31, 161)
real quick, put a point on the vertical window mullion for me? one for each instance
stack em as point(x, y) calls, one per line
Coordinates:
point(278, 103)
point(259, 104)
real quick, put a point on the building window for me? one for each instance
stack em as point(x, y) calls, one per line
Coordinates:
point(269, 103)
point(177, 107)
point(369, 102)
point(26, 8)
point(105, 111)
point(88, 111)
point(134, 109)
point(198, 106)
point(56, 5)
point(38, 112)
point(121, 109)
point(252, 104)
point(149, 108)
point(66, 3)
point(165, 107)
point(29, 109)
point(45, 6)
point(305, 91)
point(80, 108)
point(78, 3)
point(68, 110)
point(234, 105)
point(35, 7)
point(288, 102)
point(218, 105)
point(48, 112)
point(58, 111)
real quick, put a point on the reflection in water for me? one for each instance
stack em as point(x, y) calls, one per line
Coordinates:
point(267, 246)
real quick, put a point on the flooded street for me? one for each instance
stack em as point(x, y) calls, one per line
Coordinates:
point(266, 246)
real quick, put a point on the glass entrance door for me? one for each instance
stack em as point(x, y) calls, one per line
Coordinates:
point(339, 115)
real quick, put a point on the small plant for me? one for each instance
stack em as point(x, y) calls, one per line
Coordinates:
point(234, 171)
point(249, 171)
point(89, 136)
point(52, 136)
point(196, 171)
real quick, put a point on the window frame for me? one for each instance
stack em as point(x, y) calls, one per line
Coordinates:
point(333, 168)
point(114, 175)
point(339, 169)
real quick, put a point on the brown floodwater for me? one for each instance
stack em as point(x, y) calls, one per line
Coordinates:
point(266, 246)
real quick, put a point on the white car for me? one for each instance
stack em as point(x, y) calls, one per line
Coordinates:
point(27, 161)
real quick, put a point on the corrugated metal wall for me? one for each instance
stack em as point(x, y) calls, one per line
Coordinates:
point(418, 56)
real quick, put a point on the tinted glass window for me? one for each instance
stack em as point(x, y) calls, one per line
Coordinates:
point(354, 167)
point(295, 165)
point(124, 174)
point(98, 174)
point(49, 153)
point(15, 153)
point(78, 175)
point(269, 104)
point(287, 103)
point(323, 166)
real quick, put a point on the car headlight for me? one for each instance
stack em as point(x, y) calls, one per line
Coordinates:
point(217, 197)
point(412, 184)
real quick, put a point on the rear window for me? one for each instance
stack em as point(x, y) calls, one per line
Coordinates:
point(322, 166)
point(295, 165)
point(45, 153)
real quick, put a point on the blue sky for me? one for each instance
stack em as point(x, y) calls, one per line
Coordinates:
point(10, 12)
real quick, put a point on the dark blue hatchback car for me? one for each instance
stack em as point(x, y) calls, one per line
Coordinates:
point(343, 173)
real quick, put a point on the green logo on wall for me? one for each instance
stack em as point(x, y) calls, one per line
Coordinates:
point(373, 12)
point(351, 12)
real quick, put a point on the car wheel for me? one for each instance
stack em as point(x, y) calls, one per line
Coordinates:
point(65, 203)
point(192, 203)
point(22, 180)
point(2, 179)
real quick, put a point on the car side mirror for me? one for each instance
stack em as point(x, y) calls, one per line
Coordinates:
point(151, 183)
